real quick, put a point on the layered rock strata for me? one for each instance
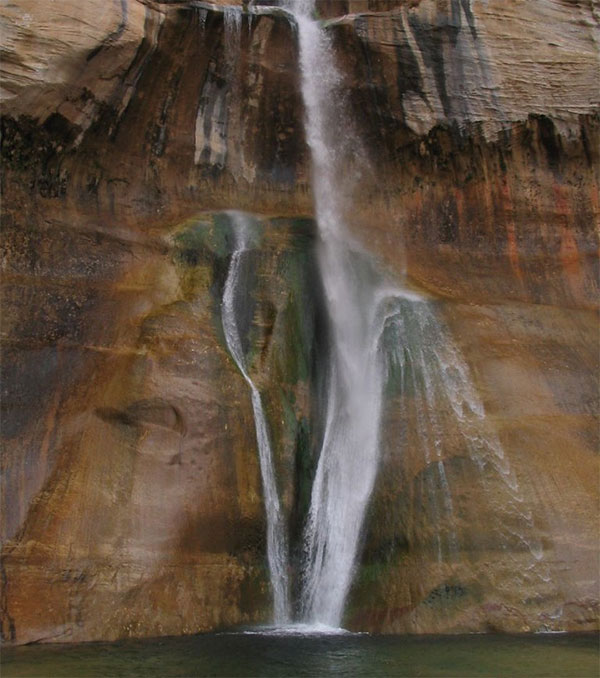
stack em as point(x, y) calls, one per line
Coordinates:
point(132, 497)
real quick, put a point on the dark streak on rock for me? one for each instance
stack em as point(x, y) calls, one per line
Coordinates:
point(407, 72)
point(431, 43)
point(143, 54)
point(457, 20)
point(7, 625)
point(113, 36)
point(549, 140)
point(159, 136)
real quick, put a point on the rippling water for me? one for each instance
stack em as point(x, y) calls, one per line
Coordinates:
point(279, 653)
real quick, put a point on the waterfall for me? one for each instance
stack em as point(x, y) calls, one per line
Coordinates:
point(348, 459)
point(417, 343)
point(277, 552)
point(374, 325)
point(361, 306)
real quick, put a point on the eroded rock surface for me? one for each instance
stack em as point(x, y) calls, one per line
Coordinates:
point(132, 496)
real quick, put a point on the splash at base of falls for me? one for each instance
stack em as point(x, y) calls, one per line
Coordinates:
point(299, 629)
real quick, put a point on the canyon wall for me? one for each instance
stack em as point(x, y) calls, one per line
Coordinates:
point(131, 489)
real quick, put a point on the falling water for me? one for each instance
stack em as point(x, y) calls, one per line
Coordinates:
point(373, 325)
point(232, 23)
point(361, 305)
point(348, 459)
point(277, 554)
point(421, 348)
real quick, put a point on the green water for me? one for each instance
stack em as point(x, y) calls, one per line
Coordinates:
point(243, 654)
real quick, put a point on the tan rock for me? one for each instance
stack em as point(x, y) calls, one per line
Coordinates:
point(132, 495)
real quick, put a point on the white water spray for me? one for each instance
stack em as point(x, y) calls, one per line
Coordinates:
point(348, 460)
point(277, 550)
point(360, 307)
point(421, 348)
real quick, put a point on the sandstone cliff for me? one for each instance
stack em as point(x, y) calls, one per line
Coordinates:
point(131, 491)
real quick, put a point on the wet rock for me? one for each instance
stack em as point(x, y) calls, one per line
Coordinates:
point(131, 487)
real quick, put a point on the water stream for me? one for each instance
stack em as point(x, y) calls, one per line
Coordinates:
point(374, 324)
point(233, 294)
point(361, 305)
point(349, 455)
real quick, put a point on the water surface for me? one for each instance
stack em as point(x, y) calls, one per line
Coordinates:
point(281, 654)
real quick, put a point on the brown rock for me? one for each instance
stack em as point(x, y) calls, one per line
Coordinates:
point(131, 488)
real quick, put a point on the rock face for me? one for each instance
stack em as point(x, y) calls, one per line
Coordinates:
point(131, 486)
